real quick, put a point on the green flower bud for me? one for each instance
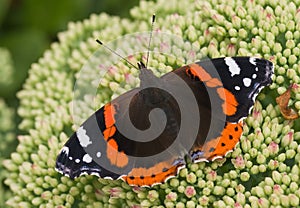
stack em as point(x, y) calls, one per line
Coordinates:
point(206, 191)
point(276, 176)
point(180, 205)
point(130, 195)
point(268, 190)
point(249, 164)
point(181, 189)
point(284, 200)
point(258, 191)
point(245, 176)
point(203, 200)
point(228, 200)
point(283, 167)
point(225, 183)
point(145, 203)
point(233, 184)
point(294, 200)
point(219, 204)
point(277, 190)
point(262, 168)
point(218, 190)
point(254, 169)
point(287, 139)
point(190, 204)
point(269, 181)
point(281, 157)
point(238, 162)
point(253, 152)
point(174, 182)
point(183, 172)
point(293, 187)
point(230, 192)
point(290, 153)
point(191, 178)
point(211, 176)
point(286, 180)
point(240, 188)
point(36, 201)
point(274, 199)
point(240, 198)
point(273, 148)
point(172, 196)
point(261, 159)
point(141, 195)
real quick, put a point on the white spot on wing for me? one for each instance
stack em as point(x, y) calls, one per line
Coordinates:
point(252, 60)
point(233, 67)
point(83, 138)
point(65, 150)
point(98, 154)
point(237, 88)
point(77, 161)
point(247, 82)
point(254, 76)
point(70, 158)
point(86, 158)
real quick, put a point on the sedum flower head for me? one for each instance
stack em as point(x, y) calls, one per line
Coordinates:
point(262, 171)
point(7, 144)
point(6, 68)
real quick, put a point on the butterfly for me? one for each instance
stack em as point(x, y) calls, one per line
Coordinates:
point(144, 135)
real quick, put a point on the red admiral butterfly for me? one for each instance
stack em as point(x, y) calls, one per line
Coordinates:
point(234, 90)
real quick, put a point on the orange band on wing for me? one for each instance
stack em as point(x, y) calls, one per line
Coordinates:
point(109, 132)
point(109, 113)
point(112, 144)
point(116, 158)
point(214, 82)
point(220, 146)
point(148, 176)
point(197, 71)
point(230, 104)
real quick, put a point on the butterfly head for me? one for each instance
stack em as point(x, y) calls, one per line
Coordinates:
point(147, 78)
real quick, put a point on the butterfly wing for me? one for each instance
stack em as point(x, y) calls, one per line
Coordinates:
point(234, 84)
point(100, 147)
point(90, 142)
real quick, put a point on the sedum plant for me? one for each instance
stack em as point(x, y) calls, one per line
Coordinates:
point(7, 138)
point(6, 68)
point(7, 126)
point(262, 171)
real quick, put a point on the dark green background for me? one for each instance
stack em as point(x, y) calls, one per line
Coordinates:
point(27, 27)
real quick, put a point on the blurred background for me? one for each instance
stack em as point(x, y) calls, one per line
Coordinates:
point(27, 28)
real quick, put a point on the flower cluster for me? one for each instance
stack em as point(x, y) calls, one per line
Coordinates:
point(7, 138)
point(262, 171)
point(6, 68)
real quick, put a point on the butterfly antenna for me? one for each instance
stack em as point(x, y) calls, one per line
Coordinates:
point(153, 20)
point(114, 52)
